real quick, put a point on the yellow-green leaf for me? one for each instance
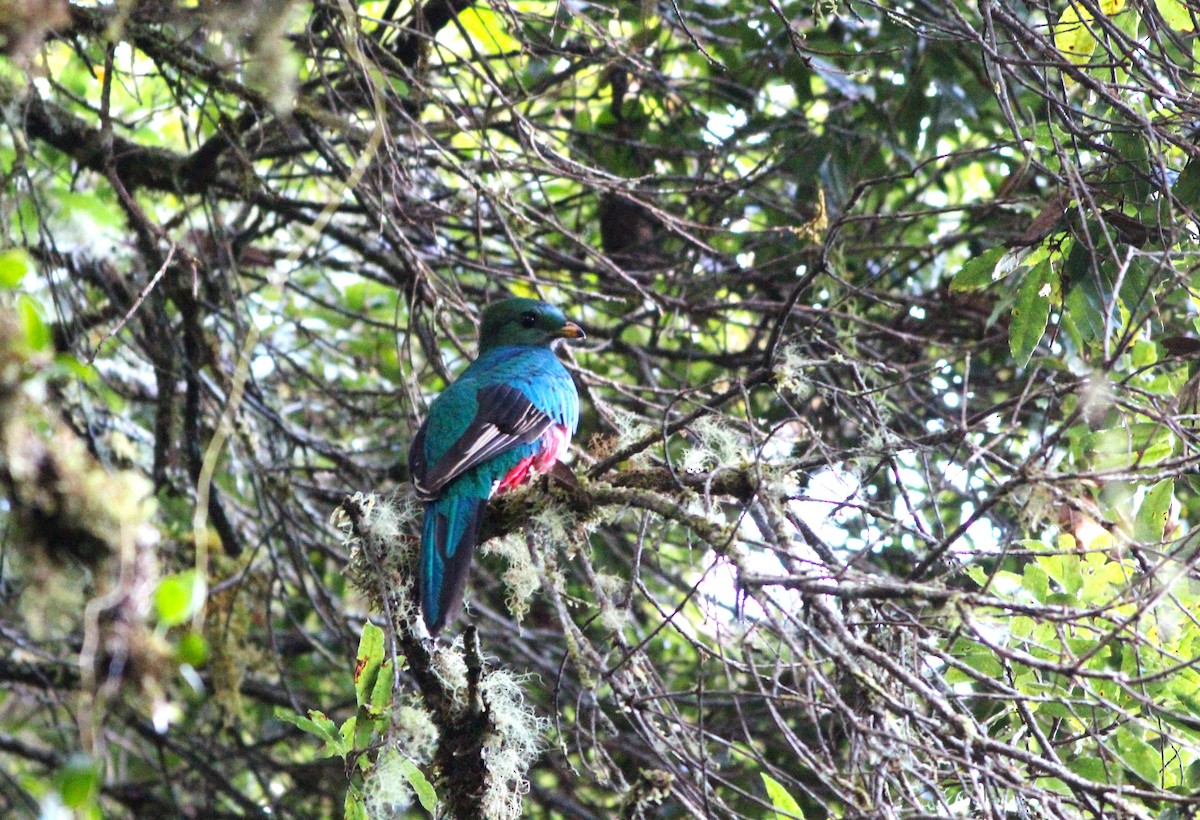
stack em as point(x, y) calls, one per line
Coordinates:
point(381, 692)
point(368, 662)
point(1093, 768)
point(1031, 312)
point(1187, 186)
point(1065, 570)
point(1143, 443)
point(1036, 581)
point(178, 597)
point(420, 784)
point(37, 332)
point(1152, 514)
point(1176, 14)
point(1139, 756)
point(14, 264)
point(318, 724)
point(356, 296)
point(78, 782)
point(488, 31)
point(785, 805)
point(192, 649)
point(1072, 36)
point(978, 272)
point(353, 808)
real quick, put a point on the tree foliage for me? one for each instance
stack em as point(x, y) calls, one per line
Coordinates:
point(886, 472)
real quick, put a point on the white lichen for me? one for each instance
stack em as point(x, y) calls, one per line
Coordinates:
point(381, 538)
point(384, 523)
point(520, 578)
point(778, 480)
point(340, 519)
point(511, 748)
point(630, 429)
point(882, 438)
point(414, 731)
point(703, 514)
point(450, 668)
point(386, 790)
point(1096, 397)
point(789, 371)
point(611, 590)
point(715, 444)
point(551, 527)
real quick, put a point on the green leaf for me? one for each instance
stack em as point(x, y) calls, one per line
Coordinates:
point(360, 729)
point(1031, 312)
point(368, 663)
point(1101, 575)
point(785, 805)
point(37, 332)
point(78, 782)
point(1065, 571)
point(1053, 710)
point(487, 29)
point(1077, 270)
point(1141, 443)
point(67, 365)
point(318, 724)
point(983, 660)
point(1021, 626)
point(348, 735)
point(1053, 784)
point(978, 272)
point(192, 649)
point(381, 693)
point(977, 574)
point(315, 723)
point(1131, 176)
point(1072, 36)
point(1176, 14)
point(178, 597)
point(353, 808)
point(1152, 514)
point(1191, 776)
point(1036, 581)
point(420, 784)
point(14, 264)
point(1143, 354)
point(1187, 186)
point(356, 296)
point(1138, 756)
point(89, 207)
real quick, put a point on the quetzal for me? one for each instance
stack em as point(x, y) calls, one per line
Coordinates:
point(511, 413)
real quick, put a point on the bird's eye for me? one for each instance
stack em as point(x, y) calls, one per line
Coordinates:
point(527, 320)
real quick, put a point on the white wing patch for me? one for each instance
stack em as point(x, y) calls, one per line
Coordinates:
point(488, 434)
point(487, 440)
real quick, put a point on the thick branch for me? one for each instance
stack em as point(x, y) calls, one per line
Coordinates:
point(138, 166)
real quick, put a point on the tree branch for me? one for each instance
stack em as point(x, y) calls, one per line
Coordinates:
point(138, 166)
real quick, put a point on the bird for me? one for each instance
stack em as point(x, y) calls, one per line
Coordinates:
point(508, 416)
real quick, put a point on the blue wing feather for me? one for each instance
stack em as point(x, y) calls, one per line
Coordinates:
point(509, 395)
point(504, 418)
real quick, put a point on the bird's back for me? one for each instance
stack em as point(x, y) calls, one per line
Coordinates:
point(535, 371)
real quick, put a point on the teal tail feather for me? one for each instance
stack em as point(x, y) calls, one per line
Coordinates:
point(448, 539)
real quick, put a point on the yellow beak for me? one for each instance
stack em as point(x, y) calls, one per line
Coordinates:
point(571, 331)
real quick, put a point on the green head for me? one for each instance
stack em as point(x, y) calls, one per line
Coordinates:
point(524, 322)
